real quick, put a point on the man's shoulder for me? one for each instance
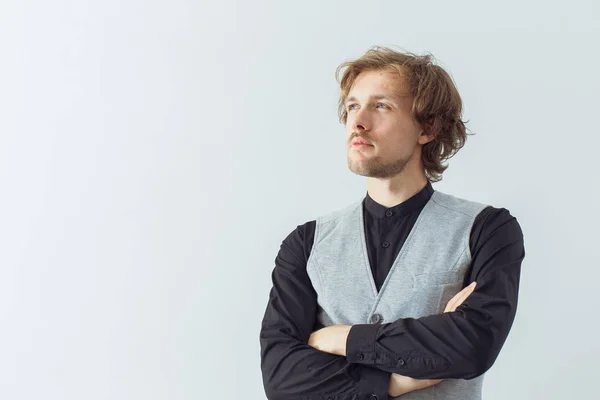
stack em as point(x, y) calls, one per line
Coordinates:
point(458, 204)
point(484, 211)
point(302, 236)
point(338, 212)
point(299, 241)
point(495, 219)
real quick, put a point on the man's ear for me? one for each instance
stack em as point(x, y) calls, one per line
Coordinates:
point(425, 138)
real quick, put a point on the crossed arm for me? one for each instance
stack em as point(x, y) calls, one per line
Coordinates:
point(333, 339)
point(460, 344)
point(291, 368)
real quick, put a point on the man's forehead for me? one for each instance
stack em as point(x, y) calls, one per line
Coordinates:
point(377, 84)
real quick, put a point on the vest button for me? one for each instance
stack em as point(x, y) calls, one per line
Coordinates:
point(376, 318)
point(389, 213)
point(373, 397)
point(385, 244)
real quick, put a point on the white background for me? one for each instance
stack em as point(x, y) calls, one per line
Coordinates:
point(154, 154)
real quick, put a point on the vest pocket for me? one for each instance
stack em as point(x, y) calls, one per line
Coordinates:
point(435, 289)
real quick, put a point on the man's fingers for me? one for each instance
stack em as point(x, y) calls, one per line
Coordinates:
point(463, 294)
point(460, 297)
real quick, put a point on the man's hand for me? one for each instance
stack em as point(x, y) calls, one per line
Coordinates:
point(400, 384)
point(331, 339)
point(459, 298)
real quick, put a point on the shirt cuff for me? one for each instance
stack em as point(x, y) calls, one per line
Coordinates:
point(362, 348)
point(360, 344)
point(373, 384)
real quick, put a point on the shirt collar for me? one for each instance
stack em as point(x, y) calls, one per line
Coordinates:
point(414, 203)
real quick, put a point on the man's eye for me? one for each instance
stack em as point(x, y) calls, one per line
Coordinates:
point(350, 107)
point(381, 104)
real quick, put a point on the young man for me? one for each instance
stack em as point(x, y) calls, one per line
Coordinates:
point(368, 302)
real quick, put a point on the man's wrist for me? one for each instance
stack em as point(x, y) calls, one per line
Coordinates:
point(343, 340)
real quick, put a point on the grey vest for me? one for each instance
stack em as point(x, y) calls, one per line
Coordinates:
point(426, 274)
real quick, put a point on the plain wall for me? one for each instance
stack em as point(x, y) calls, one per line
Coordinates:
point(153, 156)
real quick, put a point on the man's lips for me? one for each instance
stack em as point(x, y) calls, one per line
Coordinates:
point(359, 143)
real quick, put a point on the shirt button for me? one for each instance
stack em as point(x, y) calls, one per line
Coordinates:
point(360, 356)
point(373, 397)
point(376, 318)
point(401, 362)
point(385, 244)
point(389, 213)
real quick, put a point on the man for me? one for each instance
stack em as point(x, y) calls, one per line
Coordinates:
point(378, 299)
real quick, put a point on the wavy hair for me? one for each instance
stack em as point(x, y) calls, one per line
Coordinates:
point(436, 105)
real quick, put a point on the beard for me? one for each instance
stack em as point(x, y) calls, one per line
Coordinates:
point(375, 168)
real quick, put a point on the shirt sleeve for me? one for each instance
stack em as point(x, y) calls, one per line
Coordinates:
point(461, 344)
point(291, 369)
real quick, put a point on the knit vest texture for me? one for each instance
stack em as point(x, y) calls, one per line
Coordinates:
point(428, 271)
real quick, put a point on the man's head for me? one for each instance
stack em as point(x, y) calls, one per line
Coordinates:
point(406, 108)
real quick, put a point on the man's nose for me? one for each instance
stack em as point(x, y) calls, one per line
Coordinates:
point(361, 121)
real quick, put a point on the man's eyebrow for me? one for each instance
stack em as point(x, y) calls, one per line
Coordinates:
point(375, 97)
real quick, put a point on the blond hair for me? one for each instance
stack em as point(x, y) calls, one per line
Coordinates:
point(436, 105)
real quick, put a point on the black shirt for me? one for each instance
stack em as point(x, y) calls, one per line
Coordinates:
point(463, 344)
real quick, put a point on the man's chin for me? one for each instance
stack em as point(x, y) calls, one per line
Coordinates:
point(374, 171)
point(361, 171)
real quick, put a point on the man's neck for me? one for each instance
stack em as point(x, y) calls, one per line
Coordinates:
point(392, 191)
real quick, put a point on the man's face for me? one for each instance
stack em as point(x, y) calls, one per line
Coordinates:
point(378, 107)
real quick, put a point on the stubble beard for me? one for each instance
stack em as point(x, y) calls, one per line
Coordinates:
point(375, 168)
